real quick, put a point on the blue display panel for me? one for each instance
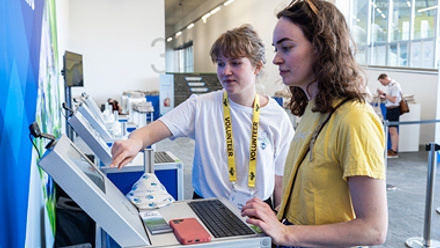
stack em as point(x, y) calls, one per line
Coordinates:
point(20, 43)
point(125, 180)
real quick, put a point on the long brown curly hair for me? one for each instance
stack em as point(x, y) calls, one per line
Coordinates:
point(335, 67)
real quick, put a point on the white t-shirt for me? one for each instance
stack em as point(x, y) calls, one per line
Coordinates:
point(201, 118)
point(393, 90)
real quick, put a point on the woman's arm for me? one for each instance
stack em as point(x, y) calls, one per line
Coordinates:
point(124, 151)
point(368, 228)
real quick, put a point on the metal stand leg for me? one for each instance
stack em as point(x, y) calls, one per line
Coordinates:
point(438, 210)
point(426, 241)
point(68, 100)
point(420, 242)
point(148, 160)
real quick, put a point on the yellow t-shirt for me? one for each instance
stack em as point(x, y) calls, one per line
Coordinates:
point(350, 144)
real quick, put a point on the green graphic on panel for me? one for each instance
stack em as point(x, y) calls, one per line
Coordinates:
point(48, 101)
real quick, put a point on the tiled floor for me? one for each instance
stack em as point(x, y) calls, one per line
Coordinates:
point(406, 204)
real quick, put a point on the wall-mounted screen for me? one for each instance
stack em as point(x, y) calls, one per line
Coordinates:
point(73, 69)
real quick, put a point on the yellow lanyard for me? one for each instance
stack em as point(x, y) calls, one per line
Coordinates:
point(230, 140)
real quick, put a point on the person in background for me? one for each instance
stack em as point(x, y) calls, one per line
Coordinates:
point(115, 105)
point(334, 191)
point(392, 103)
point(241, 137)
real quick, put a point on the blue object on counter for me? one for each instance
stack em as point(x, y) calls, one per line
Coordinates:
point(155, 102)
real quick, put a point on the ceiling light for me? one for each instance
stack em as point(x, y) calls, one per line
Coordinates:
point(228, 2)
point(190, 26)
point(169, 39)
point(429, 8)
point(205, 17)
point(215, 10)
point(178, 33)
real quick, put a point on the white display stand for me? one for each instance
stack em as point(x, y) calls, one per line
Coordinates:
point(409, 135)
point(137, 165)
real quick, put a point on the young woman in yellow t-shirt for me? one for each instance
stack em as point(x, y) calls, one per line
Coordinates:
point(334, 191)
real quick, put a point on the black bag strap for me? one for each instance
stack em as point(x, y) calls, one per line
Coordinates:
point(312, 142)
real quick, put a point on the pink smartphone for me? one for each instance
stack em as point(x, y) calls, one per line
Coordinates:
point(189, 231)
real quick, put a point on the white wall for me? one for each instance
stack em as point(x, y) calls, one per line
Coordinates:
point(261, 14)
point(122, 43)
point(63, 24)
point(424, 87)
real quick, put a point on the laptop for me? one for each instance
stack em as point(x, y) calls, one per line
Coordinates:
point(114, 213)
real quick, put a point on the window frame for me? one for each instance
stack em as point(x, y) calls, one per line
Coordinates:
point(369, 48)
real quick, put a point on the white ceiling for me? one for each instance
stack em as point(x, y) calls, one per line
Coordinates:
point(175, 10)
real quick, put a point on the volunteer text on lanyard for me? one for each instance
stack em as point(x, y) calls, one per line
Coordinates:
point(230, 138)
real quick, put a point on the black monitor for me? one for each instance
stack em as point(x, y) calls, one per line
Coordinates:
point(73, 69)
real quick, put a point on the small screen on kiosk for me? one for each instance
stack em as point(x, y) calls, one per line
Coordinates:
point(85, 165)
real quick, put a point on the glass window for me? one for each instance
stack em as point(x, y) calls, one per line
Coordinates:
point(361, 54)
point(379, 55)
point(398, 54)
point(401, 18)
point(425, 19)
point(379, 14)
point(422, 54)
point(428, 54)
point(359, 29)
point(184, 58)
point(189, 59)
point(397, 33)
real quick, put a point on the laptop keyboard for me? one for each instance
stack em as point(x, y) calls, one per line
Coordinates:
point(220, 221)
point(162, 157)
